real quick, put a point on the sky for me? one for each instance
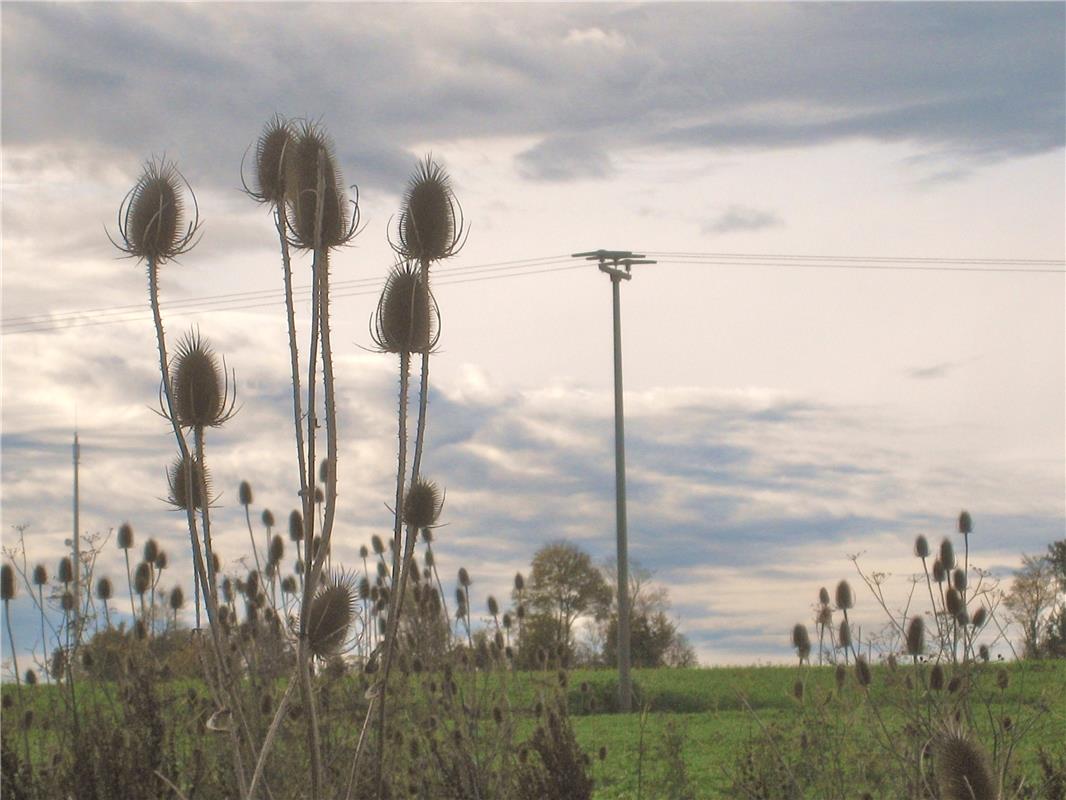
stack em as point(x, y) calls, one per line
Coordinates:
point(854, 330)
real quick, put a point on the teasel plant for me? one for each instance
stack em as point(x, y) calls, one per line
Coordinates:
point(7, 594)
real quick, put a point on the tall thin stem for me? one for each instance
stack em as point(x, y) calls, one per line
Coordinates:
point(18, 682)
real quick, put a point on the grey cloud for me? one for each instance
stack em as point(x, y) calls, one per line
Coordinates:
point(939, 370)
point(564, 158)
point(740, 219)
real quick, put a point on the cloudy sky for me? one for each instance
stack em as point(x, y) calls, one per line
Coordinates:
point(855, 328)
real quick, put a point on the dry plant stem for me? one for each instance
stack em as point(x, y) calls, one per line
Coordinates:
point(359, 748)
point(18, 680)
point(283, 706)
point(397, 565)
point(170, 784)
point(251, 538)
point(44, 639)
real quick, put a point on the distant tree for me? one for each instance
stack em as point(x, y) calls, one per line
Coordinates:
point(563, 586)
point(1032, 597)
point(1055, 645)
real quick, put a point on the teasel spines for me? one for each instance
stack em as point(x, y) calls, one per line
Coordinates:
point(921, 547)
point(407, 319)
point(40, 575)
point(7, 583)
point(801, 640)
point(377, 545)
point(916, 636)
point(962, 769)
point(939, 573)
point(423, 503)
point(965, 523)
point(430, 226)
point(179, 496)
point(203, 397)
point(125, 536)
point(272, 150)
point(331, 613)
point(493, 606)
point(152, 222)
point(311, 146)
point(519, 582)
point(844, 598)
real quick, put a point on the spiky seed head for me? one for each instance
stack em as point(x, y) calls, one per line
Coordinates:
point(506, 621)
point(844, 635)
point(244, 494)
point(66, 570)
point(983, 652)
point(179, 494)
point(161, 560)
point(140, 630)
point(383, 570)
point(936, 678)
point(823, 596)
point(216, 564)
point(177, 599)
point(227, 589)
point(1002, 678)
point(277, 549)
point(201, 392)
point(519, 582)
point(311, 148)
point(947, 555)
point(939, 573)
point(268, 518)
point(153, 227)
point(142, 578)
point(954, 684)
point(916, 636)
point(31, 677)
point(7, 583)
point(319, 496)
point(801, 640)
point(125, 536)
point(464, 577)
point(251, 585)
point(406, 319)
point(67, 602)
point(323, 470)
point(40, 575)
point(965, 523)
point(862, 671)
point(429, 559)
point(494, 607)
point(980, 617)
point(427, 224)
point(271, 152)
point(331, 613)
point(958, 579)
point(296, 526)
point(377, 544)
point(104, 589)
point(288, 584)
point(843, 596)
point(840, 675)
point(520, 611)
point(422, 505)
point(962, 769)
point(825, 615)
point(151, 551)
point(921, 547)
point(892, 662)
point(953, 601)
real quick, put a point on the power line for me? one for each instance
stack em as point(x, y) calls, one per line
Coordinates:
point(961, 266)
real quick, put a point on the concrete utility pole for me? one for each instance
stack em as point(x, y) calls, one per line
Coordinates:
point(77, 537)
point(618, 271)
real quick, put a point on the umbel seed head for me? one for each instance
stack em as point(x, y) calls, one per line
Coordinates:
point(916, 637)
point(125, 536)
point(331, 612)
point(311, 157)
point(179, 494)
point(201, 390)
point(422, 505)
point(965, 523)
point(428, 225)
point(407, 319)
point(66, 570)
point(152, 222)
point(921, 547)
point(104, 589)
point(962, 769)
point(7, 582)
point(843, 595)
point(40, 575)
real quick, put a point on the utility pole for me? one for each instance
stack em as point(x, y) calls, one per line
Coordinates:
point(619, 270)
point(77, 537)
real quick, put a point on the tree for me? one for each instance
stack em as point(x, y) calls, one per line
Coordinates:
point(1032, 596)
point(1055, 645)
point(564, 585)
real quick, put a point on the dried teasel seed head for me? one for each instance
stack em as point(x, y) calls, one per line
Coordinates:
point(311, 150)
point(494, 607)
point(202, 397)
point(125, 536)
point(965, 523)
point(936, 678)
point(916, 636)
point(377, 544)
point(177, 599)
point(277, 549)
point(801, 640)
point(862, 671)
point(519, 582)
point(244, 494)
point(7, 583)
point(288, 584)
point(953, 601)
point(823, 596)
point(323, 470)
point(67, 602)
point(962, 769)
point(506, 621)
point(319, 496)
point(983, 652)
point(161, 560)
point(406, 319)
point(40, 575)
point(980, 617)
point(428, 227)
point(296, 526)
point(921, 547)
point(251, 585)
point(939, 573)
point(142, 578)
point(422, 505)
point(844, 598)
point(844, 634)
point(825, 615)
point(958, 579)
point(31, 677)
point(65, 571)
point(179, 495)
point(104, 589)
point(331, 613)
point(268, 518)
point(151, 551)
point(464, 577)
point(152, 222)
point(947, 555)
point(271, 151)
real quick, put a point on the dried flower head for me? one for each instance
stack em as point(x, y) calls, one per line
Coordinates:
point(277, 549)
point(430, 224)
point(296, 526)
point(843, 596)
point(271, 150)
point(519, 582)
point(947, 555)
point(125, 536)
point(958, 579)
point(823, 596)
point(142, 578)
point(862, 671)
point(309, 158)
point(962, 769)
point(801, 640)
point(423, 503)
point(66, 571)
point(104, 589)
point(66, 602)
point(244, 494)
point(179, 491)
point(494, 607)
point(965, 523)
point(161, 560)
point(953, 601)
point(980, 617)
point(330, 616)
point(202, 394)
point(844, 634)
point(7, 583)
point(268, 518)
point(177, 599)
point(983, 652)
point(916, 636)
point(464, 577)
point(921, 547)
point(151, 218)
point(40, 575)
point(151, 550)
point(939, 573)
point(407, 319)
point(936, 678)
point(377, 544)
